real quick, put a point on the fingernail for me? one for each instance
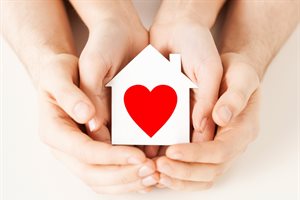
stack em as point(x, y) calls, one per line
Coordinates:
point(225, 114)
point(92, 125)
point(166, 181)
point(81, 110)
point(145, 171)
point(134, 160)
point(165, 168)
point(203, 125)
point(148, 181)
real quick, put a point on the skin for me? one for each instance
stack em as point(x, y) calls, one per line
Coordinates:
point(52, 63)
point(249, 41)
point(196, 166)
point(178, 27)
point(247, 46)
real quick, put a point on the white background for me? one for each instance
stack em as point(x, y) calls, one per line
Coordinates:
point(267, 170)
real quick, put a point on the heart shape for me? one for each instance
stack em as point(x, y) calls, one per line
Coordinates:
point(150, 110)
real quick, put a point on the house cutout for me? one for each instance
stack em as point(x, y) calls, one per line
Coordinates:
point(150, 72)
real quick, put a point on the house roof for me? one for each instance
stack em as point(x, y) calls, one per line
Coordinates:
point(149, 61)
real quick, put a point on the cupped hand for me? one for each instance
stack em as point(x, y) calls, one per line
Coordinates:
point(196, 166)
point(105, 168)
point(112, 43)
point(201, 63)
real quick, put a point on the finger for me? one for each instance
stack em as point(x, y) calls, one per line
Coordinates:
point(229, 141)
point(104, 175)
point(189, 171)
point(208, 133)
point(215, 152)
point(101, 135)
point(240, 81)
point(129, 187)
point(207, 77)
point(60, 132)
point(151, 151)
point(176, 184)
point(59, 79)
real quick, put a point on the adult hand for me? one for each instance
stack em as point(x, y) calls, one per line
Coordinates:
point(196, 166)
point(105, 168)
point(116, 36)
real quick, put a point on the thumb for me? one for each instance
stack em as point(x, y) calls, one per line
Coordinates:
point(241, 80)
point(58, 80)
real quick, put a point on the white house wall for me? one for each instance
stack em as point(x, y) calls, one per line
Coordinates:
point(126, 131)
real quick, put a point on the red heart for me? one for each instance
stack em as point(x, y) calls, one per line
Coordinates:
point(150, 110)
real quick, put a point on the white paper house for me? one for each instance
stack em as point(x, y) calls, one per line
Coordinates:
point(150, 69)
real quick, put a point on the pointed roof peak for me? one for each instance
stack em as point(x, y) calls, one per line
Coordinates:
point(150, 57)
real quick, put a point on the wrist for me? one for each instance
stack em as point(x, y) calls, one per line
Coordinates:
point(94, 13)
point(203, 13)
point(55, 65)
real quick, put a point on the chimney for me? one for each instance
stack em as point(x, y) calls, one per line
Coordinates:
point(175, 61)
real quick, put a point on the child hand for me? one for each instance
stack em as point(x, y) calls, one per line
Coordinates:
point(116, 36)
point(201, 63)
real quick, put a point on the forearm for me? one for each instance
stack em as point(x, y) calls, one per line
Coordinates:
point(255, 30)
point(94, 12)
point(37, 30)
point(203, 12)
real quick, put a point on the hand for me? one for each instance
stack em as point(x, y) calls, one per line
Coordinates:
point(112, 43)
point(201, 63)
point(196, 166)
point(105, 168)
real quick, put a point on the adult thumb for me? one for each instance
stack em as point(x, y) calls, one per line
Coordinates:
point(241, 80)
point(58, 81)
